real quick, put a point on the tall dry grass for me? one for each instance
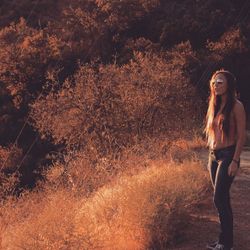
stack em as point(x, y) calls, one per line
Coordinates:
point(145, 206)
point(147, 210)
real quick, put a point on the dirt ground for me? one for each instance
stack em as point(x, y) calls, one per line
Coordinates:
point(204, 226)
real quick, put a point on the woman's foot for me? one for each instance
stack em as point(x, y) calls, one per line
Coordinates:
point(212, 245)
point(217, 246)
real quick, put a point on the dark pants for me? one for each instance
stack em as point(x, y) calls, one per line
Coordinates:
point(219, 161)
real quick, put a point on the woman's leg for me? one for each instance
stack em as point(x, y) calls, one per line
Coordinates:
point(222, 202)
point(212, 167)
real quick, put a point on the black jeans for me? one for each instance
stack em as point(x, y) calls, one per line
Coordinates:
point(219, 161)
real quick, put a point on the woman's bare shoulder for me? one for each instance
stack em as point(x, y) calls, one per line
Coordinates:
point(238, 107)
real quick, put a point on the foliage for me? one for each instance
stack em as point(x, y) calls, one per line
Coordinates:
point(107, 108)
point(60, 216)
point(9, 177)
point(231, 42)
point(106, 75)
point(26, 53)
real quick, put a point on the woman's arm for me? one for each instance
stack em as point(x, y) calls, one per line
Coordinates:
point(240, 118)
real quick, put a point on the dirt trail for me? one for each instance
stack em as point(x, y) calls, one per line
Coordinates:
point(204, 225)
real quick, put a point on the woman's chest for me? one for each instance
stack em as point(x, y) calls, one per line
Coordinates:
point(220, 121)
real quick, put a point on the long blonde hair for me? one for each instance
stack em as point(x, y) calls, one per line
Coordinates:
point(214, 106)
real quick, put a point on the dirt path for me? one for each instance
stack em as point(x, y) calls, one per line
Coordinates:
point(204, 225)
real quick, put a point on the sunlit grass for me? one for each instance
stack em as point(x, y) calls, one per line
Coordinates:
point(147, 207)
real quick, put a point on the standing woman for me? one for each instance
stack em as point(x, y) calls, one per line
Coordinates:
point(225, 131)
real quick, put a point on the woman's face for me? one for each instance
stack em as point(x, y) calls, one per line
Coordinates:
point(219, 84)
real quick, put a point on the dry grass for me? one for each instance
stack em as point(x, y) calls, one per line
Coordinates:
point(145, 210)
point(40, 220)
point(141, 202)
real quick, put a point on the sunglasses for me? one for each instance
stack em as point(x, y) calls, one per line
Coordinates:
point(219, 81)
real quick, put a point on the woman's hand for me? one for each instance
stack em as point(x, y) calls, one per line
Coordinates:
point(232, 169)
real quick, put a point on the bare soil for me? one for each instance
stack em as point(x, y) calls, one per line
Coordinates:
point(204, 226)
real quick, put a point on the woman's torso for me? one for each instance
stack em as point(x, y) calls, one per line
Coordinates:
point(219, 141)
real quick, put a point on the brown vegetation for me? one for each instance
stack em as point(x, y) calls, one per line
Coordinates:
point(144, 206)
point(106, 99)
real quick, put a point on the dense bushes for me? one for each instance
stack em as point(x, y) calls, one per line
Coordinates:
point(78, 67)
point(146, 207)
point(106, 108)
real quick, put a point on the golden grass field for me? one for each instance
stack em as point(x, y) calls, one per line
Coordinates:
point(145, 206)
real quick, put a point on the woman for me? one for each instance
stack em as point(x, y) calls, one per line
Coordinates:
point(225, 132)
